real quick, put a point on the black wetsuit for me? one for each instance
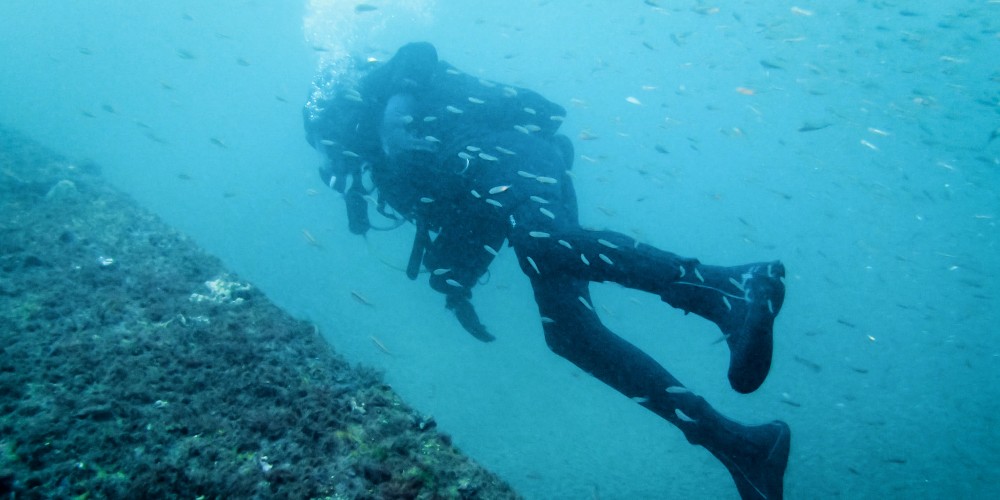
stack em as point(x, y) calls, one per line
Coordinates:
point(479, 163)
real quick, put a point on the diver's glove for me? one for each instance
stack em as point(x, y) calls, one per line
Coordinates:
point(467, 316)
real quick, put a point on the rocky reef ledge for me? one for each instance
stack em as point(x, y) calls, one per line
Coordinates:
point(133, 365)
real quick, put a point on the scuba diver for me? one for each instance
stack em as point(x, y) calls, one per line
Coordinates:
point(474, 164)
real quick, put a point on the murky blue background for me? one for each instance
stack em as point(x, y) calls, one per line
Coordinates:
point(887, 361)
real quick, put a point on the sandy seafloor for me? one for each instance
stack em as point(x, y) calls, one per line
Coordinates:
point(132, 365)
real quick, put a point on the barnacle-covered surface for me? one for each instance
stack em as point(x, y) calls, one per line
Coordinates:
point(133, 365)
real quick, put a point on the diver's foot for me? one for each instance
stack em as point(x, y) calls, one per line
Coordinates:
point(759, 469)
point(748, 322)
point(743, 301)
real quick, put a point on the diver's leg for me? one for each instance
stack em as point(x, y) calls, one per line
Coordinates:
point(755, 456)
point(742, 300)
point(535, 198)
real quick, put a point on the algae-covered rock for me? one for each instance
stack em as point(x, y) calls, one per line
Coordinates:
point(132, 365)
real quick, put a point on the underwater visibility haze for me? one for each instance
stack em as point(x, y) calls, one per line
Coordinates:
point(857, 141)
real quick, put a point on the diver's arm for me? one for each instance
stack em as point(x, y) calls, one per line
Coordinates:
point(466, 314)
point(457, 261)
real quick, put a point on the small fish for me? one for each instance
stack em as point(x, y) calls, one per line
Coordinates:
point(490, 250)
point(155, 138)
point(808, 364)
point(607, 260)
point(499, 189)
point(453, 283)
point(522, 129)
point(539, 199)
point(565, 244)
point(812, 127)
point(487, 157)
point(439, 272)
point(584, 259)
point(737, 284)
point(493, 202)
point(218, 142)
point(546, 212)
point(453, 109)
point(364, 7)
point(683, 416)
point(426, 200)
point(504, 151)
point(585, 303)
point(633, 100)
point(378, 343)
point(361, 298)
point(676, 389)
point(475, 100)
point(310, 239)
point(745, 91)
point(473, 149)
point(787, 399)
point(530, 111)
point(475, 194)
point(607, 243)
point(869, 145)
point(720, 339)
point(533, 265)
point(546, 180)
point(538, 234)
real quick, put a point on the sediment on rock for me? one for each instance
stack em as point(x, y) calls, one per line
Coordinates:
point(133, 365)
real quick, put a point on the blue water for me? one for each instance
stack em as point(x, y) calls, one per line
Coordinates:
point(886, 217)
